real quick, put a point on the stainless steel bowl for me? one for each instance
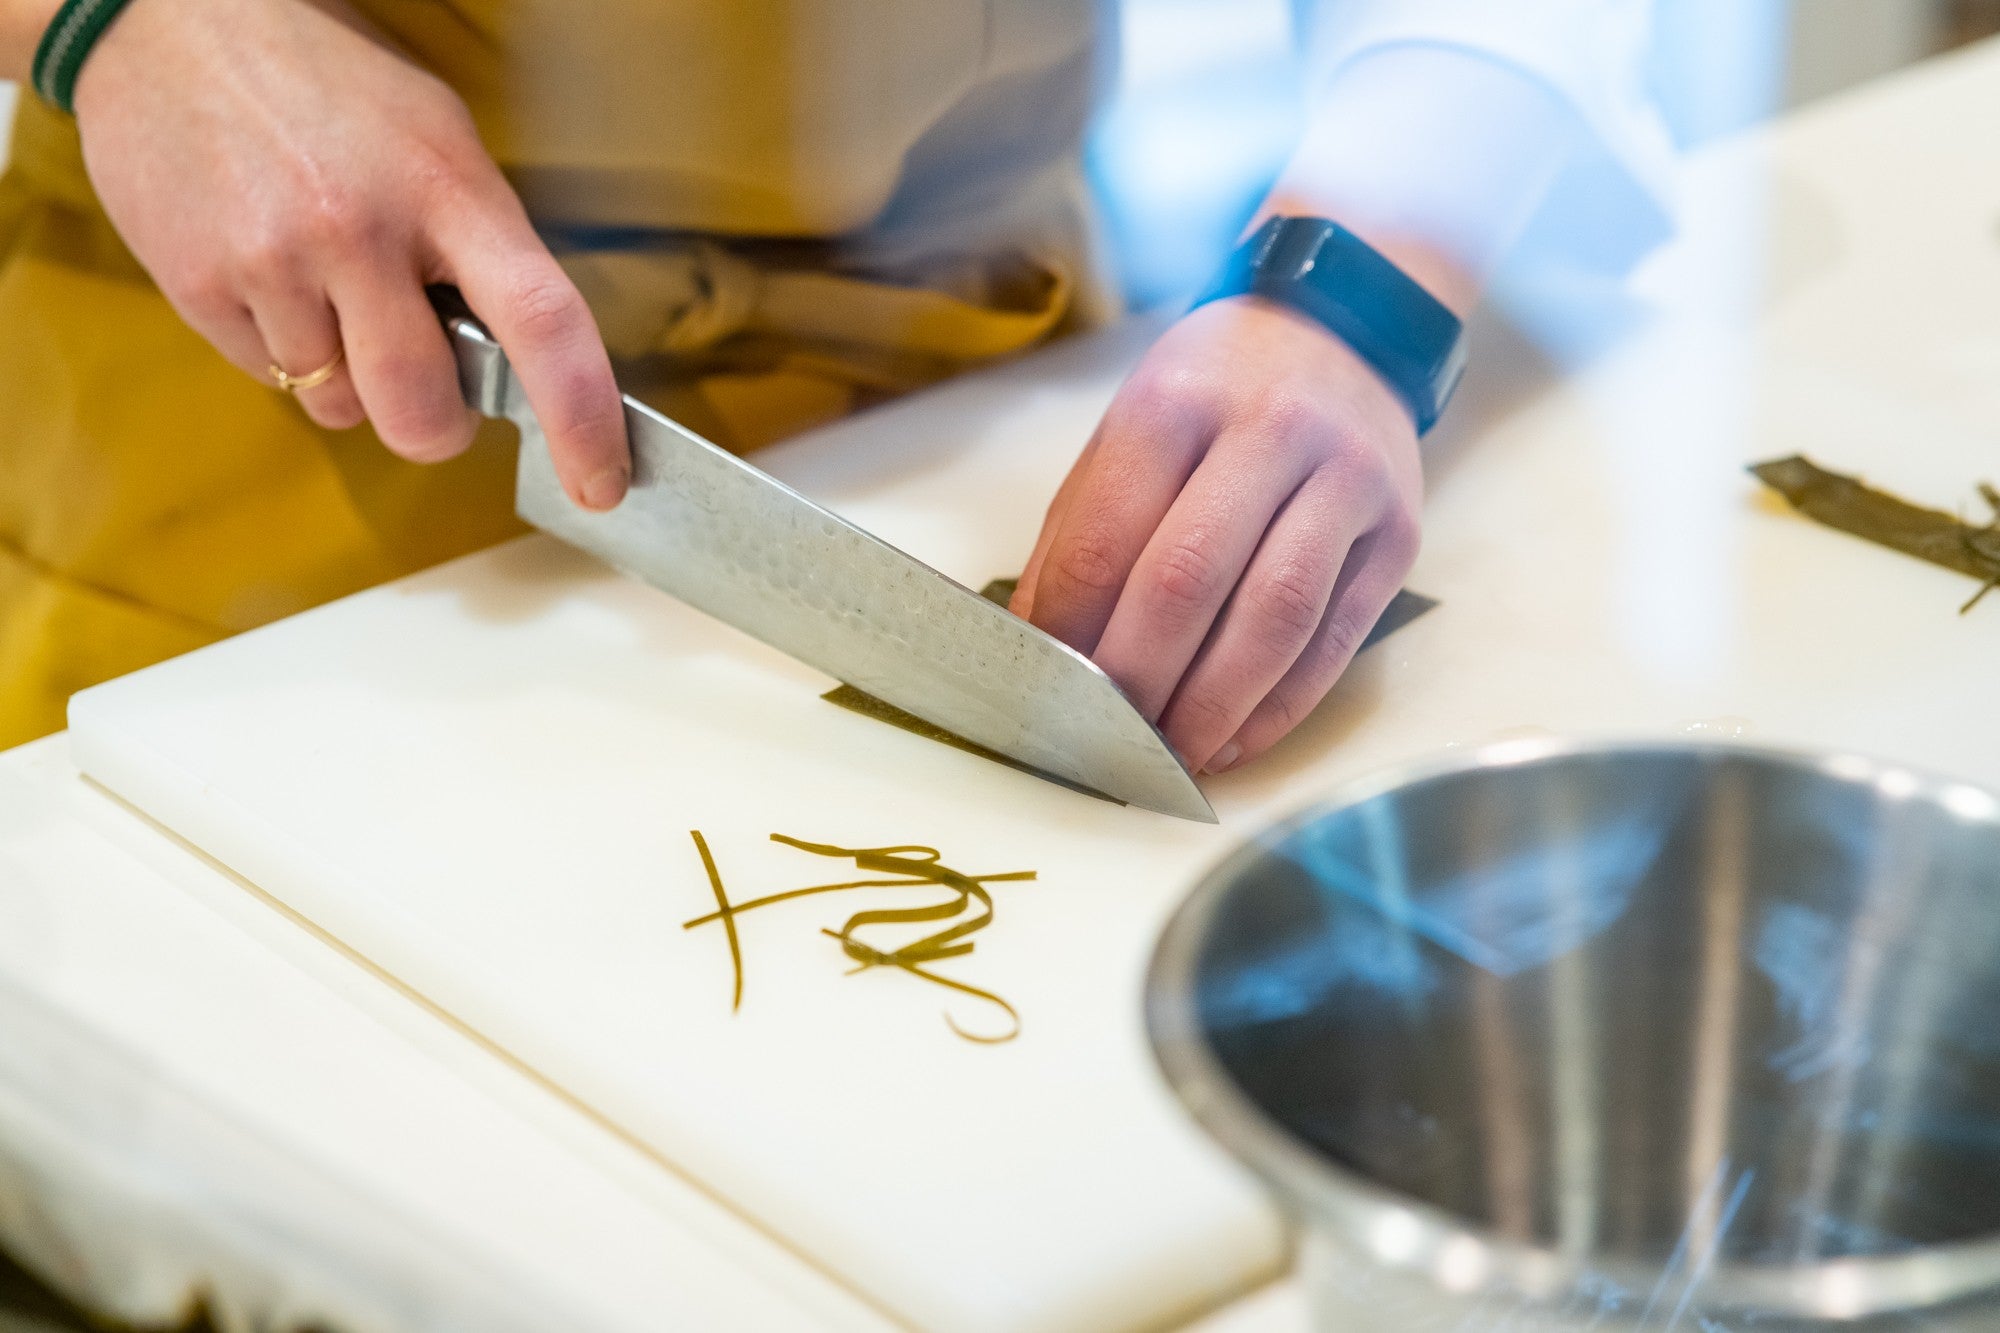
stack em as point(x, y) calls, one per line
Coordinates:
point(1565, 1037)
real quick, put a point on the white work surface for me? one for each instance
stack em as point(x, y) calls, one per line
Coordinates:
point(482, 779)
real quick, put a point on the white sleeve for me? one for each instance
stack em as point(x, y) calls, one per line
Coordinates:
point(1474, 121)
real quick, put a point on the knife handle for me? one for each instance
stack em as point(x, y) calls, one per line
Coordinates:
point(483, 375)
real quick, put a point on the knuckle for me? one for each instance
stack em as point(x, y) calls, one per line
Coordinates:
point(1168, 398)
point(414, 414)
point(1187, 577)
point(1286, 414)
point(1341, 635)
point(446, 190)
point(544, 306)
point(1293, 703)
point(203, 294)
point(1286, 607)
point(427, 432)
point(444, 171)
point(341, 225)
point(1204, 710)
point(266, 256)
point(1088, 564)
point(1177, 384)
point(1288, 706)
point(337, 412)
point(442, 107)
point(1401, 534)
point(582, 403)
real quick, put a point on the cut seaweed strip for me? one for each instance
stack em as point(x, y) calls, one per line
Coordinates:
point(1848, 505)
point(726, 912)
point(1000, 591)
point(872, 957)
point(919, 867)
point(952, 942)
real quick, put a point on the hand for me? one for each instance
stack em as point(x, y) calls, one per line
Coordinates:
point(293, 184)
point(1233, 530)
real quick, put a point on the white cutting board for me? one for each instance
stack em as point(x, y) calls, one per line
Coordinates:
point(483, 778)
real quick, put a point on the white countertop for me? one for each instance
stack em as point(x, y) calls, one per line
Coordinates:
point(1872, 346)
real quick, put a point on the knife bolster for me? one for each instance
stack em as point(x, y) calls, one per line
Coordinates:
point(482, 367)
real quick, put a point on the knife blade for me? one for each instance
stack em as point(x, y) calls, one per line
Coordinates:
point(732, 541)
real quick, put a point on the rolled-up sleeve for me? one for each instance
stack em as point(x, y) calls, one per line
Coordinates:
point(1481, 120)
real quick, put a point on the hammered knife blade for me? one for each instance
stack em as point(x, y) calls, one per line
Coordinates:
point(730, 540)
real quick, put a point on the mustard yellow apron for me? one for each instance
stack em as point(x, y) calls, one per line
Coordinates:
point(779, 211)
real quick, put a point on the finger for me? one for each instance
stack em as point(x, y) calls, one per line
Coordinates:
point(1374, 570)
point(1145, 455)
point(1190, 567)
point(517, 289)
point(223, 319)
point(1022, 603)
point(230, 329)
point(402, 364)
point(1271, 616)
point(301, 334)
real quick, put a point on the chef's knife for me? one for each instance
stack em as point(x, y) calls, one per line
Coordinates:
point(721, 535)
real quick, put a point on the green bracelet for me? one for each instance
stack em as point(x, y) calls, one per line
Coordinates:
point(67, 44)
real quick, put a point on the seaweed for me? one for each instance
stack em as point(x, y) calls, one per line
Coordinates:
point(728, 915)
point(969, 908)
point(881, 710)
point(1847, 504)
point(1405, 607)
point(1001, 592)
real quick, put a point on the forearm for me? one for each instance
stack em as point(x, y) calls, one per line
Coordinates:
point(22, 23)
point(1436, 157)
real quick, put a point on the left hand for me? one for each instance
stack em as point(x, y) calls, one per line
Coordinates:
point(1242, 516)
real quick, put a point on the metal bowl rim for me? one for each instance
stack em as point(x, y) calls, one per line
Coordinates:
point(1319, 1192)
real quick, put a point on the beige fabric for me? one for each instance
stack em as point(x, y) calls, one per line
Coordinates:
point(764, 117)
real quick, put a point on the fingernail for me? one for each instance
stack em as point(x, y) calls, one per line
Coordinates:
point(1224, 759)
point(605, 489)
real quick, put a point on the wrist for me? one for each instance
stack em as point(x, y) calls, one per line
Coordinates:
point(102, 67)
point(1326, 273)
point(1430, 265)
point(69, 44)
point(201, 40)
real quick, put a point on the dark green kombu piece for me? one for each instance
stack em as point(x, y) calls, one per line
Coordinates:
point(968, 909)
point(1928, 534)
point(1405, 607)
point(1000, 591)
point(866, 704)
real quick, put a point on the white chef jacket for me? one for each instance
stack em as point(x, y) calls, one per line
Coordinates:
point(1467, 120)
point(954, 124)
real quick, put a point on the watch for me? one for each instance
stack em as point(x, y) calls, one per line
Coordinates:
point(1326, 272)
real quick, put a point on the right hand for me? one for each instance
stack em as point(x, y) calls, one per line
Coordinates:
point(292, 185)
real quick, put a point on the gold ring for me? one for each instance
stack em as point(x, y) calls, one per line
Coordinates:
point(294, 383)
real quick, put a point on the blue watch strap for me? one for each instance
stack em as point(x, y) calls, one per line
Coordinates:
point(1326, 272)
